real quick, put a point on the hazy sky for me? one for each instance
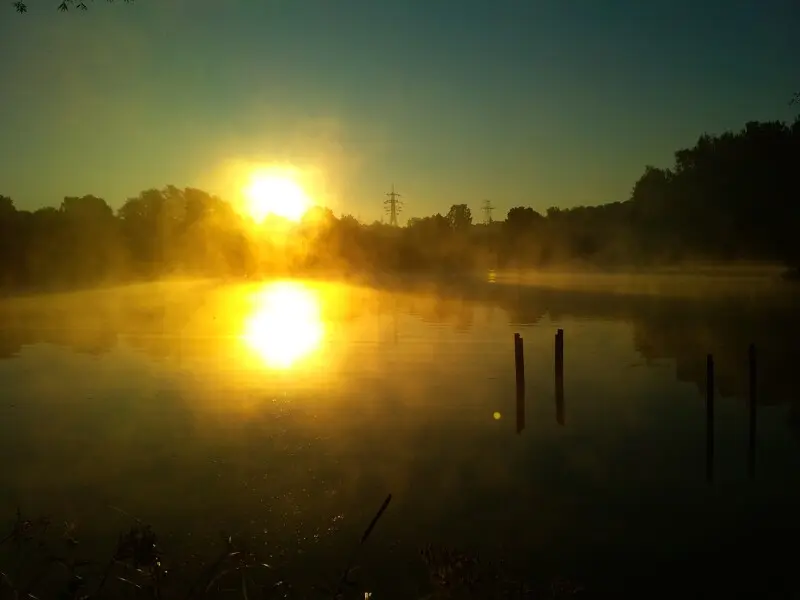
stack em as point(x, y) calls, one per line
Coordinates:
point(533, 102)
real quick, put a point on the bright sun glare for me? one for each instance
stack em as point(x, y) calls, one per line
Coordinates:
point(276, 194)
point(286, 324)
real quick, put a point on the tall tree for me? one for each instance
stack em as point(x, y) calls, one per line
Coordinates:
point(460, 217)
point(521, 219)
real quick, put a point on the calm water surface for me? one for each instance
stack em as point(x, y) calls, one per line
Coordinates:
point(285, 412)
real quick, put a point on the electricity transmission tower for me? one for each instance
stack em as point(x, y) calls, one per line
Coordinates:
point(487, 209)
point(393, 206)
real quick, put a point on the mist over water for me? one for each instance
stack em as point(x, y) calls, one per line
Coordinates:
point(285, 411)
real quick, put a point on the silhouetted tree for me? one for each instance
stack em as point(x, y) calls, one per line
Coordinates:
point(63, 6)
point(7, 208)
point(349, 221)
point(522, 219)
point(553, 212)
point(460, 217)
point(90, 237)
point(432, 227)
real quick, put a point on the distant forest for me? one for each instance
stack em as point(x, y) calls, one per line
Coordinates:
point(734, 196)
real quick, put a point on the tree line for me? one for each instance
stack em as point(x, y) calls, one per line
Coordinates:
point(733, 196)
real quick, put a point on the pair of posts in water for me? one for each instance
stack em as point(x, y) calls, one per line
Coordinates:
point(519, 360)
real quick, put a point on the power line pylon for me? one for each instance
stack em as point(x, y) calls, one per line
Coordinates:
point(393, 206)
point(487, 212)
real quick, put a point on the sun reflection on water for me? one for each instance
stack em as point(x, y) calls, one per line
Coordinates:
point(286, 324)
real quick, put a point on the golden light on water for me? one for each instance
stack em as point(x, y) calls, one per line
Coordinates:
point(275, 192)
point(286, 324)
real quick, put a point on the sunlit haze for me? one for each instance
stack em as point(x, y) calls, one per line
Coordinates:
point(274, 193)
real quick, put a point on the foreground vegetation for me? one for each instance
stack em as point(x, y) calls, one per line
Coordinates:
point(39, 563)
point(730, 197)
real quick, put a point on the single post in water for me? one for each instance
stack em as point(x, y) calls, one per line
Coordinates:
point(519, 361)
point(710, 418)
point(560, 377)
point(751, 405)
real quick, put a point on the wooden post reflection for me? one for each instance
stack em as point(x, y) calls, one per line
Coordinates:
point(519, 363)
point(710, 418)
point(751, 447)
point(559, 356)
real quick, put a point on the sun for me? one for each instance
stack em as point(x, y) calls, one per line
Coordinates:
point(275, 194)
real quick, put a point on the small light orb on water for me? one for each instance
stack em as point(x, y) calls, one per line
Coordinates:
point(497, 416)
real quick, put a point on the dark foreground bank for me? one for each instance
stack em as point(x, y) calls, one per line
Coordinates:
point(43, 559)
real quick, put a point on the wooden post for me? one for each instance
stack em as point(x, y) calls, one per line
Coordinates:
point(560, 377)
point(752, 403)
point(710, 418)
point(519, 362)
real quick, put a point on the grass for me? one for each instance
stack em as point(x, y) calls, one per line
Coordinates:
point(40, 564)
point(37, 562)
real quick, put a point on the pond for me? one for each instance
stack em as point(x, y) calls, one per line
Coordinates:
point(285, 412)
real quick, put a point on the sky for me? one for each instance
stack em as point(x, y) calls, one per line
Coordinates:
point(522, 102)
